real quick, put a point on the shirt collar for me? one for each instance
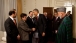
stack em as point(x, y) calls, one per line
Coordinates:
point(29, 16)
point(38, 15)
point(57, 17)
point(11, 17)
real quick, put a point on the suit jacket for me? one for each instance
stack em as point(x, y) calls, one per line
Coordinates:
point(24, 30)
point(11, 30)
point(49, 24)
point(70, 16)
point(40, 23)
point(30, 22)
point(56, 23)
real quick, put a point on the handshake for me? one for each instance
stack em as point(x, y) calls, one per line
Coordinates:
point(33, 29)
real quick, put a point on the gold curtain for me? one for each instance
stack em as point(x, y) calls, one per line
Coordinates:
point(19, 8)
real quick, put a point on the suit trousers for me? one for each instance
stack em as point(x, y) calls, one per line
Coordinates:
point(25, 41)
point(30, 37)
point(41, 39)
point(11, 40)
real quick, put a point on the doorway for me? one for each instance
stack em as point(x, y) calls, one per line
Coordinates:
point(49, 11)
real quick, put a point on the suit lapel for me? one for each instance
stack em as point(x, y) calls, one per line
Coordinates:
point(38, 17)
point(11, 21)
point(30, 19)
point(24, 23)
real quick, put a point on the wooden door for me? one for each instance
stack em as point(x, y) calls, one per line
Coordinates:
point(49, 11)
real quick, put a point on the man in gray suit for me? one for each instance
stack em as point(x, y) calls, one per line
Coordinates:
point(23, 28)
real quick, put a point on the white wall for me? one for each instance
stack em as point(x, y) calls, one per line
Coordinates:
point(28, 5)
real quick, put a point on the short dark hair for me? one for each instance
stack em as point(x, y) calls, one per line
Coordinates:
point(69, 11)
point(11, 12)
point(30, 12)
point(22, 15)
point(36, 10)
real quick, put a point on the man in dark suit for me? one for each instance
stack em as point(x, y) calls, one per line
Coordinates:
point(48, 30)
point(40, 23)
point(69, 14)
point(55, 25)
point(30, 23)
point(11, 28)
point(24, 29)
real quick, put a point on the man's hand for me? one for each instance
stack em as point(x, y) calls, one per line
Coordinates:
point(33, 29)
point(18, 37)
point(43, 34)
point(56, 31)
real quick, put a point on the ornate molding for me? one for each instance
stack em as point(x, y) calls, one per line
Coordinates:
point(61, 2)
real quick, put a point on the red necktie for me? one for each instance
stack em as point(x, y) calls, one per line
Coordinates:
point(37, 18)
point(15, 21)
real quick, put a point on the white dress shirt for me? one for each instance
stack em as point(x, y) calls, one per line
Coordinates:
point(11, 18)
point(38, 15)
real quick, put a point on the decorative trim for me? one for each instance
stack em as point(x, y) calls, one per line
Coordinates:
point(19, 9)
point(61, 2)
point(35, 3)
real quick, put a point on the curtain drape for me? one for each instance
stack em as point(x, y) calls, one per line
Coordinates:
point(5, 7)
